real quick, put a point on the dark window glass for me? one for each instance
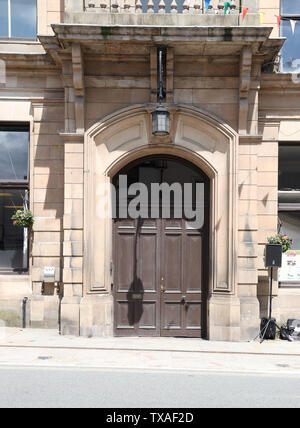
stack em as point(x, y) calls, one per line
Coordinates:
point(289, 167)
point(290, 7)
point(14, 144)
point(13, 239)
point(3, 18)
point(290, 52)
point(23, 18)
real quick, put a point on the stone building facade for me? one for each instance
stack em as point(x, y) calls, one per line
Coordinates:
point(86, 88)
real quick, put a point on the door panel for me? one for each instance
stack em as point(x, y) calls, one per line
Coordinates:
point(172, 262)
point(158, 279)
point(181, 297)
point(125, 260)
point(137, 269)
point(147, 261)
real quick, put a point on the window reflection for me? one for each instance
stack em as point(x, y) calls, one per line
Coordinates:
point(13, 252)
point(290, 50)
point(18, 18)
point(3, 18)
point(14, 155)
point(290, 225)
point(290, 7)
point(23, 18)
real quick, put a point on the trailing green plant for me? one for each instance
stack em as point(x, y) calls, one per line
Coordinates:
point(23, 218)
point(284, 240)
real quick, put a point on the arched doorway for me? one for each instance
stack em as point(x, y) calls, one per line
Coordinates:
point(161, 248)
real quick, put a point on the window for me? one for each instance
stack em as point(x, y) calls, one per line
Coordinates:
point(18, 18)
point(289, 191)
point(289, 161)
point(290, 28)
point(289, 210)
point(14, 194)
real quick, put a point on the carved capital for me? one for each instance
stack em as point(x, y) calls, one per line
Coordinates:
point(78, 74)
point(245, 71)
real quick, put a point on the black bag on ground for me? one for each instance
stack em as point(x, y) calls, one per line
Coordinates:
point(293, 325)
point(270, 331)
point(286, 334)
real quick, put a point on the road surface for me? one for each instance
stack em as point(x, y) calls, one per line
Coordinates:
point(49, 387)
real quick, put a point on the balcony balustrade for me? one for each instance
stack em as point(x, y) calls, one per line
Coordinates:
point(193, 7)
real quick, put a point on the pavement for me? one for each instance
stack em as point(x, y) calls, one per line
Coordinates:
point(46, 348)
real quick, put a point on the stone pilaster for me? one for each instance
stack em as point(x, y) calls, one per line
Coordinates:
point(73, 233)
point(73, 139)
point(248, 236)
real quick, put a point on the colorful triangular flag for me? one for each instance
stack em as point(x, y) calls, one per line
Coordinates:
point(227, 5)
point(207, 5)
point(245, 10)
point(293, 25)
point(278, 20)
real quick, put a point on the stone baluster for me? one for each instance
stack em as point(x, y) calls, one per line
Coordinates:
point(233, 7)
point(104, 7)
point(185, 7)
point(174, 7)
point(150, 8)
point(138, 6)
point(161, 7)
point(220, 8)
point(211, 9)
point(114, 6)
point(91, 7)
point(128, 6)
point(197, 7)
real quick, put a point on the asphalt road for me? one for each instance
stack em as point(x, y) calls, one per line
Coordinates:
point(44, 387)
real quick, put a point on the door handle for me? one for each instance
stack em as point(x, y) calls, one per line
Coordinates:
point(162, 288)
point(183, 299)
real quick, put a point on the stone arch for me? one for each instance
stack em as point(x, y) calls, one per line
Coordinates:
point(124, 136)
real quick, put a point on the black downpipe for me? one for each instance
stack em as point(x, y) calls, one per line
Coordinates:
point(60, 296)
point(24, 310)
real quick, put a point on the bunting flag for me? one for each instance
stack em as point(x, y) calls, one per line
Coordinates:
point(293, 25)
point(262, 15)
point(207, 4)
point(227, 5)
point(245, 10)
point(278, 20)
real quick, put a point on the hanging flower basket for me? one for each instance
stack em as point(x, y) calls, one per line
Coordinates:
point(282, 240)
point(23, 218)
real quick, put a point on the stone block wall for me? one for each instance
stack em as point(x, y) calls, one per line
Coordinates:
point(47, 200)
point(269, 9)
point(210, 83)
point(114, 82)
point(49, 12)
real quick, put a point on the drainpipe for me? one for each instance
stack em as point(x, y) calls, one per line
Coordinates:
point(24, 307)
point(60, 296)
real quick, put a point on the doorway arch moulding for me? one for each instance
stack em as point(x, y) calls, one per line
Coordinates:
point(196, 136)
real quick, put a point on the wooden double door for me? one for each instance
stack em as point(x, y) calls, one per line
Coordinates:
point(158, 278)
point(161, 264)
